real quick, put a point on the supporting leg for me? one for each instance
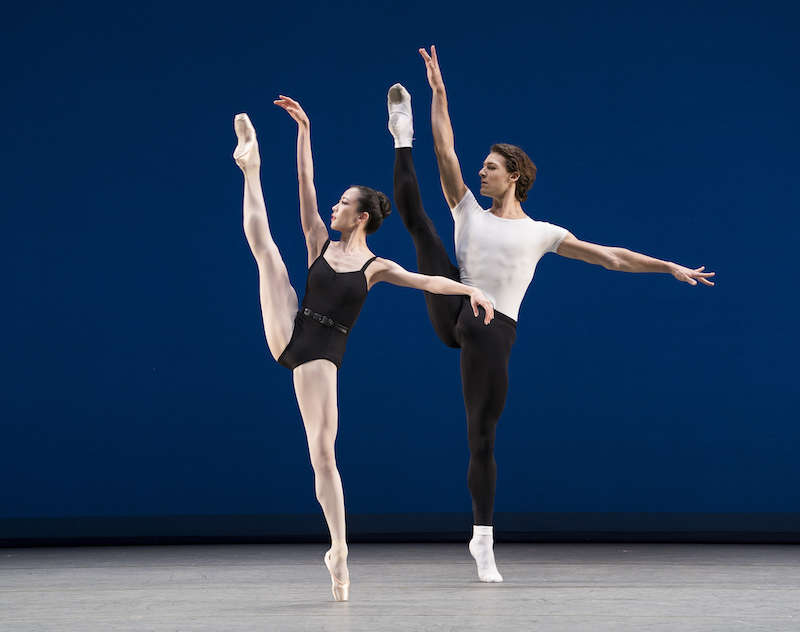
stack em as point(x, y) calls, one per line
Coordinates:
point(485, 388)
point(485, 353)
point(315, 387)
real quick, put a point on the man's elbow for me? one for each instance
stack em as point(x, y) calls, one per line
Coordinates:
point(442, 150)
point(612, 261)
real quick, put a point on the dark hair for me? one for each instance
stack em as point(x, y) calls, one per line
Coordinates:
point(517, 160)
point(376, 204)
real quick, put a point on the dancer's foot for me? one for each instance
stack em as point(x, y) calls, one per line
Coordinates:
point(246, 153)
point(401, 120)
point(336, 561)
point(481, 546)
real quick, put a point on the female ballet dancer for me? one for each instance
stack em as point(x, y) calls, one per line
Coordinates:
point(311, 341)
point(497, 249)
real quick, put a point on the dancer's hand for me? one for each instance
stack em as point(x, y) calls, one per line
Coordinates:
point(687, 275)
point(478, 298)
point(294, 109)
point(432, 68)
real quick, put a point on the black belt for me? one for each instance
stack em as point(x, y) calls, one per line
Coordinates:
point(325, 320)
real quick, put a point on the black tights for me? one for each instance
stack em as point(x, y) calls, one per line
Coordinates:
point(485, 349)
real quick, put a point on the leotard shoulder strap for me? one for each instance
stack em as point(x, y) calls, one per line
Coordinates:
point(368, 262)
point(325, 247)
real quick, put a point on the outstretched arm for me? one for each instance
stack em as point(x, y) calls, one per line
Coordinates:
point(313, 226)
point(624, 260)
point(390, 272)
point(443, 138)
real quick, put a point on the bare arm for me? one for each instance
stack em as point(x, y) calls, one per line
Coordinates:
point(443, 138)
point(624, 260)
point(313, 227)
point(390, 272)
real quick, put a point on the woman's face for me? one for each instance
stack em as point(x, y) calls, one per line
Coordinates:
point(345, 215)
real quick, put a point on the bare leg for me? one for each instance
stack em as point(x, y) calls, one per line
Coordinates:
point(314, 382)
point(315, 387)
point(278, 298)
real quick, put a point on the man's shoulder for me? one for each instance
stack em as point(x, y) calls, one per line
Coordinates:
point(467, 205)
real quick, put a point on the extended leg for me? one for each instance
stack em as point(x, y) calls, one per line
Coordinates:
point(278, 298)
point(315, 387)
point(432, 257)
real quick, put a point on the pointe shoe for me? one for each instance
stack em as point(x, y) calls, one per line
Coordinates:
point(341, 590)
point(401, 119)
point(246, 153)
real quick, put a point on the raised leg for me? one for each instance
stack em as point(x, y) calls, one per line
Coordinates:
point(278, 297)
point(315, 387)
point(432, 257)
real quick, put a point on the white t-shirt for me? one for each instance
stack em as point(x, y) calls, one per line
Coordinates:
point(499, 255)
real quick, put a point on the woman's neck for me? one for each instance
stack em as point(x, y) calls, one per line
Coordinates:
point(354, 241)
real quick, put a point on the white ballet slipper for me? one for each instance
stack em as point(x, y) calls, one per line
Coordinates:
point(481, 547)
point(401, 119)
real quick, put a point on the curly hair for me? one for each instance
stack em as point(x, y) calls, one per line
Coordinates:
point(518, 161)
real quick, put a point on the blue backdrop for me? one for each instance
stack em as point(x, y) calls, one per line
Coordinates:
point(136, 380)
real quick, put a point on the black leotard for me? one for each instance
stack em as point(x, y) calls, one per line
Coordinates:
point(338, 296)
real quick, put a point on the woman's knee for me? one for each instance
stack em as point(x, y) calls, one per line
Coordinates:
point(323, 459)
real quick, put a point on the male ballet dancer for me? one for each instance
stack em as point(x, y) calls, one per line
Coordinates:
point(497, 250)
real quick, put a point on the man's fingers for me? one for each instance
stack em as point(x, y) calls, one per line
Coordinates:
point(701, 276)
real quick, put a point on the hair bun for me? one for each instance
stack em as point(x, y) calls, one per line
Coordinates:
point(385, 204)
point(376, 204)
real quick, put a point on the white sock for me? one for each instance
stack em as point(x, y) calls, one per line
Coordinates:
point(481, 547)
point(401, 120)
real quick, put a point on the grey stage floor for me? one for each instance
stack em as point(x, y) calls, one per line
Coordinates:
point(593, 587)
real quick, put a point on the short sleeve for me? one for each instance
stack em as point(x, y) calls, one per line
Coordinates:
point(555, 235)
point(467, 206)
